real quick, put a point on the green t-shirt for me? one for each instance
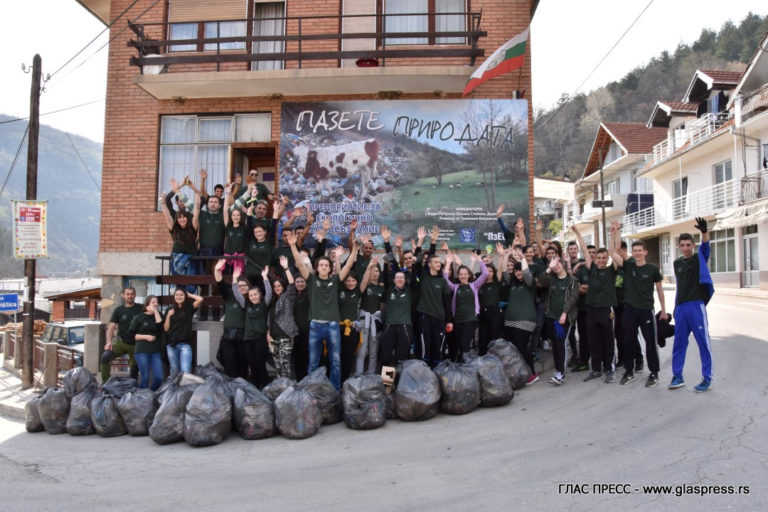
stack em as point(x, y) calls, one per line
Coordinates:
point(181, 321)
point(349, 303)
point(258, 253)
point(372, 298)
point(465, 305)
point(184, 247)
point(145, 324)
point(234, 314)
point(211, 230)
point(398, 306)
point(431, 291)
point(122, 316)
point(301, 312)
point(324, 298)
point(582, 274)
point(521, 302)
point(687, 277)
point(489, 295)
point(639, 283)
point(557, 288)
point(255, 325)
point(602, 286)
point(234, 241)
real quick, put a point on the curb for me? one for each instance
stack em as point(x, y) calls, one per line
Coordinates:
point(12, 412)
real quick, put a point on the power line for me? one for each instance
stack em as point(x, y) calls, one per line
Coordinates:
point(83, 162)
point(565, 101)
point(54, 111)
point(18, 151)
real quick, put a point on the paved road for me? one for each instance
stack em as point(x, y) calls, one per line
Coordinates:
point(512, 458)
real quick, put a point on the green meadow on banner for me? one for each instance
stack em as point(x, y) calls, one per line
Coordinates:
point(408, 163)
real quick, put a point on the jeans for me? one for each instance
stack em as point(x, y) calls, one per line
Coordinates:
point(179, 357)
point(147, 362)
point(329, 331)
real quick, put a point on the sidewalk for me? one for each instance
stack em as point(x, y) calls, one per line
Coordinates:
point(12, 397)
point(750, 293)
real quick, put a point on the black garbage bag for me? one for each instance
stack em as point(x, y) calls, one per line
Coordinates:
point(495, 389)
point(76, 380)
point(365, 401)
point(105, 417)
point(54, 409)
point(417, 395)
point(277, 386)
point(118, 386)
point(168, 423)
point(167, 384)
point(296, 413)
point(254, 413)
point(32, 411)
point(391, 411)
point(460, 387)
point(515, 366)
point(137, 408)
point(328, 399)
point(208, 415)
point(207, 370)
point(79, 419)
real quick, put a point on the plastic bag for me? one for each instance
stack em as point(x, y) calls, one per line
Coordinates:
point(118, 386)
point(296, 413)
point(206, 370)
point(328, 399)
point(208, 415)
point(417, 396)
point(79, 419)
point(253, 412)
point(365, 401)
point(137, 408)
point(391, 411)
point(460, 387)
point(495, 389)
point(32, 411)
point(515, 366)
point(105, 417)
point(277, 386)
point(54, 409)
point(77, 380)
point(168, 423)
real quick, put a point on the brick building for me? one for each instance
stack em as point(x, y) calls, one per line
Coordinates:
point(188, 86)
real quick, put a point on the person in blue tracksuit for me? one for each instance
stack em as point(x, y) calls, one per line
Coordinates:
point(694, 290)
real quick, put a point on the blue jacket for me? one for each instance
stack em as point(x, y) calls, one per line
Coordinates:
point(705, 277)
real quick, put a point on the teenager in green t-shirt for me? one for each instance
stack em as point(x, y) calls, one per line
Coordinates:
point(146, 331)
point(178, 330)
point(118, 343)
point(372, 297)
point(255, 347)
point(231, 352)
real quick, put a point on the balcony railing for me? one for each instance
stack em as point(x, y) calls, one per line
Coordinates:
point(619, 205)
point(754, 103)
point(695, 133)
point(707, 201)
point(754, 186)
point(303, 42)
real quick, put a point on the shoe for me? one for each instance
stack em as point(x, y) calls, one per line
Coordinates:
point(627, 378)
point(653, 379)
point(593, 376)
point(639, 366)
point(546, 345)
point(557, 379)
point(533, 378)
point(610, 377)
point(677, 382)
point(580, 367)
point(704, 386)
point(573, 361)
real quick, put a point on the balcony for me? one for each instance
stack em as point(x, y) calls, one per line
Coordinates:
point(754, 186)
point(752, 104)
point(695, 133)
point(704, 202)
point(314, 56)
point(619, 206)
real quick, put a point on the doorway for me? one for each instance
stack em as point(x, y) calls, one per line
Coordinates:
point(751, 274)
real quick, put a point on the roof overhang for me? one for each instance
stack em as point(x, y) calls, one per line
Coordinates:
point(307, 81)
point(99, 8)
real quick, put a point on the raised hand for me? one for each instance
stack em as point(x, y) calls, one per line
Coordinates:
point(284, 262)
point(203, 174)
point(290, 237)
point(500, 250)
point(499, 210)
point(221, 264)
point(399, 241)
point(265, 272)
point(421, 233)
point(435, 234)
point(701, 224)
point(386, 233)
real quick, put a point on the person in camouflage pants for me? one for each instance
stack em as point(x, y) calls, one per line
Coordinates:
point(282, 327)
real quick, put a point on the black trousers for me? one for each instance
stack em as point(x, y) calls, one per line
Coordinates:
point(521, 339)
point(645, 320)
point(601, 342)
point(232, 357)
point(490, 323)
point(536, 336)
point(394, 344)
point(618, 332)
point(432, 338)
point(256, 351)
point(348, 348)
point(559, 352)
point(301, 355)
point(461, 342)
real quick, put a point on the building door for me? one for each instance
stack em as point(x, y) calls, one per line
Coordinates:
point(666, 256)
point(268, 20)
point(680, 202)
point(751, 258)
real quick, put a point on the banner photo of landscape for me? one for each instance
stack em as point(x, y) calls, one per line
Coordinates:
point(408, 163)
point(30, 232)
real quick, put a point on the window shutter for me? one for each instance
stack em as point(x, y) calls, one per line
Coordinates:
point(183, 11)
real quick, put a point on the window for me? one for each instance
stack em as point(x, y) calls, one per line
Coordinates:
point(723, 172)
point(183, 31)
point(190, 143)
point(268, 21)
point(195, 19)
point(216, 29)
point(424, 16)
point(723, 245)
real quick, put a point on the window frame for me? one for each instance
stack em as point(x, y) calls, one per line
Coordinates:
point(431, 15)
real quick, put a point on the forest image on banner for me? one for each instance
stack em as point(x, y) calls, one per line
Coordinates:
point(408, 163)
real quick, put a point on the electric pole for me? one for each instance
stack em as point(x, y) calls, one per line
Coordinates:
point(27, 368)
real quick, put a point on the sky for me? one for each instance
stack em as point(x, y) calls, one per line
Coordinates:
point(568, 39)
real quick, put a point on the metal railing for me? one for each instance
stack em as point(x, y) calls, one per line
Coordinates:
point(695, 133)
point(754, 186)
point(754, 103)
point(301, 32)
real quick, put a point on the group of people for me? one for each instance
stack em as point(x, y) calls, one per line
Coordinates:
point(309, 304)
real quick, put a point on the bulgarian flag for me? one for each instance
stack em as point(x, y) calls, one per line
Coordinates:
point(505, 59)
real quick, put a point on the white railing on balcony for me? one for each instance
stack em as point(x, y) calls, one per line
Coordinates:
point(752, 104)
point(619, 205)
point(696, 132)
point(707, 201)
point(754, 186)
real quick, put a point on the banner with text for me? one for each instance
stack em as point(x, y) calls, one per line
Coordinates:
point(30, 231)
point(408, 163)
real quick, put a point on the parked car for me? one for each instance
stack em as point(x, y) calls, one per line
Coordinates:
point(70, 333)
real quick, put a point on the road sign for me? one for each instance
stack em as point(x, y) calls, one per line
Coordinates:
point(9, 302)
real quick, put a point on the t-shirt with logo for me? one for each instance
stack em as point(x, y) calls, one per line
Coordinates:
point(431, 291)
point(372, 298)
point(122, 316)
point(211, 230)
point(689, 288)
point(349, 303)
point(602, 286)
point(398, 306)
point(639, 283)
point(465, 305)
point(324, 298)
point(557, 289)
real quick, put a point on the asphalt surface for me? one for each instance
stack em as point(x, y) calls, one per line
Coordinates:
point(518, 457)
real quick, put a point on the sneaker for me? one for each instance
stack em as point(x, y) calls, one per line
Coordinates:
point(639, 367)
point(557, 379)
point(533, 378)
point(593, 376)
point(627, 378)
point(677, 382)
point(704, 386)
point(610, 377)
point(653, 379)
point(580, 367)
